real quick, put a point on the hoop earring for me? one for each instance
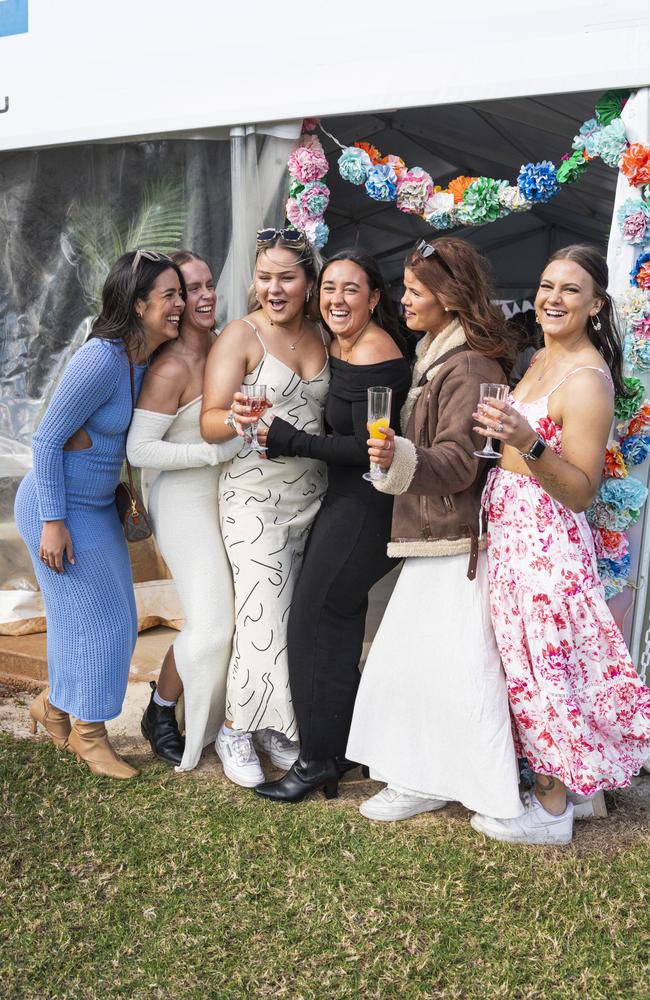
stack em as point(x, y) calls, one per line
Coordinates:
point(595, 322)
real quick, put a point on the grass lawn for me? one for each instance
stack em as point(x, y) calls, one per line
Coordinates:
point(183, 886)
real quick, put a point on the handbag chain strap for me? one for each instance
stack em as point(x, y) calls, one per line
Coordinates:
point(134, 507)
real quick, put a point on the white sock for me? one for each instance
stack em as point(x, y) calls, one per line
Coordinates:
point(161, 701)
point(229, 731)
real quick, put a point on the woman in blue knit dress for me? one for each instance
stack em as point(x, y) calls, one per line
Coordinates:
point(66, 514)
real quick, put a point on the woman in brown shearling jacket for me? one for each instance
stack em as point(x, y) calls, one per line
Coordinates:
point(431, 717)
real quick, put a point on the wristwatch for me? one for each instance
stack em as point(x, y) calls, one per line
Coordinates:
point(535, 451)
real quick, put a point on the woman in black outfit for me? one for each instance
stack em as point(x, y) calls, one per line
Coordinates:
point(346, 552)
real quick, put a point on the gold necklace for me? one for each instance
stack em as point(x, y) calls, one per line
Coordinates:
point(292, 347)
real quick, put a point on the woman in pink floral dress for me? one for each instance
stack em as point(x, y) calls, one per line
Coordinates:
point(581, 715)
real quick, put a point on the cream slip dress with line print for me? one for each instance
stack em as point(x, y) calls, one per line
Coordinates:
point(267, 507)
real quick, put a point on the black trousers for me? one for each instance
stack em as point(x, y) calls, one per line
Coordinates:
point(345, 556)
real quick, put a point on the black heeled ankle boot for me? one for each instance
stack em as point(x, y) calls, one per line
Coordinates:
point(303, 777)
point(159, 726)
point(344, 765)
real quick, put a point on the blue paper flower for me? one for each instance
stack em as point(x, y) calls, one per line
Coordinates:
point(638, 264)
point(610, 143)
point(317, 232)
point(623, 494)
point(441, 220)
point(382, 182)
point(587, 137)
point(635, 448)
point(537, 181)
point(636, 351)
point(354, 165)
point(612, 586)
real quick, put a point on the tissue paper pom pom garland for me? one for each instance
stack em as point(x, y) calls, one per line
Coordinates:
point(308, 194)
point(480, 200)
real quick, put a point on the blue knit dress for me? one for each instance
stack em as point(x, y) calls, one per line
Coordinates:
point(90, 608)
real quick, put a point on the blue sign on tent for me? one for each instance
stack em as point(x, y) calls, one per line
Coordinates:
point(13, 17)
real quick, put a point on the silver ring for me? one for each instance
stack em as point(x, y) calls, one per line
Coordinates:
point(499, 428)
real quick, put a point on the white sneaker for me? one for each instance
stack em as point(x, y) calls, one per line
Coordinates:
point(536, 826)
point(237, 754)
point(281, 751)
point(390, 805)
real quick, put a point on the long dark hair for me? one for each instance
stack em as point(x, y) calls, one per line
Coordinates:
point(607, 340)
point(468, 294)
point(385, 314)
point(123, 287)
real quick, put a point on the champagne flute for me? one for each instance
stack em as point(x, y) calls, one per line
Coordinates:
point(257, 403)
point(491, 390)
point(379, 404)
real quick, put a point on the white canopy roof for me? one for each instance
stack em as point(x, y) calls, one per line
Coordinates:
point(98, 70)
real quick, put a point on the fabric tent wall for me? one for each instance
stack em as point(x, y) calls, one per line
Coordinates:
point(59, 208)
point(132, 69)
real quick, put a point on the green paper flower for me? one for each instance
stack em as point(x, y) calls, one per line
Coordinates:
point(625, 407)
point(572, 168)
point(610, 105)
point(480, 202)
point(296, 188)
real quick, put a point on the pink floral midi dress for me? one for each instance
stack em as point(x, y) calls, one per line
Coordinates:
point(579, 710)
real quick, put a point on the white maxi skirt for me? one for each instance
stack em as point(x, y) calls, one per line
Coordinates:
point(431, 714)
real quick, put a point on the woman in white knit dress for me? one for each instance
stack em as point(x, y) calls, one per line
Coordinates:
point(267, 505)
point(183, 502)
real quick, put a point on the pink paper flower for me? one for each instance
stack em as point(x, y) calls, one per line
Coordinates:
point(308, 161)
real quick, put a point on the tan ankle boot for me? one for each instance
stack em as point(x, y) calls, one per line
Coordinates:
point(51, 718)
point(90, 743)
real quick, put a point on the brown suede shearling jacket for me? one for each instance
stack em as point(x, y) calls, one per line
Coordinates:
point(437, 479)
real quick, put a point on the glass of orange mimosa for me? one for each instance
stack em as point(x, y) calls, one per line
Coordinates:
point(379, 404)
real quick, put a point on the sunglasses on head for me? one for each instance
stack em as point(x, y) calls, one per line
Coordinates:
point(427, 250)
point(291, 235)
point(152, 255)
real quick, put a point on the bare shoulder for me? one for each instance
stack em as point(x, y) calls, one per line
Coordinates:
point(164, 383)
point(236, 335)
point(593, 381)
point(587, 394)
point(375, 347)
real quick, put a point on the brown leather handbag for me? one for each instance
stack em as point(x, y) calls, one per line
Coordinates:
point(130, 507)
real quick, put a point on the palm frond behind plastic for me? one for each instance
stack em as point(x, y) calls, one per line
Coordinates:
point(98, 240)
point(160, 220)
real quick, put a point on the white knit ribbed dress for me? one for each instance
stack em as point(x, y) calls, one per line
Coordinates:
point(267, 508)
point(184, 506)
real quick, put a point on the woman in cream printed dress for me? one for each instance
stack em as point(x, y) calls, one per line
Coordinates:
point(267, 506)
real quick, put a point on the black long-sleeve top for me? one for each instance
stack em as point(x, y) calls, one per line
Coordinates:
point(344, 447)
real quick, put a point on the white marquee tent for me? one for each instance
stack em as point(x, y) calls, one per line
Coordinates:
point(477, 89)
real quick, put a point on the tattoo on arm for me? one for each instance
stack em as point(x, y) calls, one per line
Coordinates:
point(544, 784)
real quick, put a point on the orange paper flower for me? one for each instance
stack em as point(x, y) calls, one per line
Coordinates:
point(641, 423)
point(614, 467)
point(371, 150)
point(635, 164)
point(458, 186)
point(643, 276)
point(611, 539)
